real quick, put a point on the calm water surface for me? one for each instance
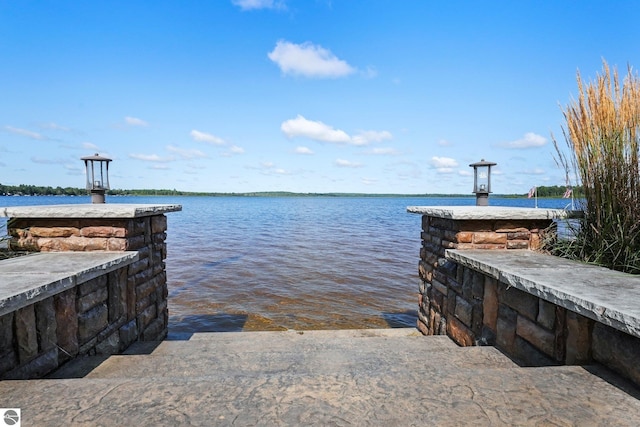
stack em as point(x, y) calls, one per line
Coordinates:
point(274, 263)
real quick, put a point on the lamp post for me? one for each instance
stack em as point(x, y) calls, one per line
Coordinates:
point(482, 181)
point(97, 171)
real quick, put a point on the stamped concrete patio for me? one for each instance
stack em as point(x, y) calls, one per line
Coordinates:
point(357, 377)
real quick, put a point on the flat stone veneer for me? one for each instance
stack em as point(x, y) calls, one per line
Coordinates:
point(462, 227)
point(97, 316)
point(476, 308)
point(132, 301)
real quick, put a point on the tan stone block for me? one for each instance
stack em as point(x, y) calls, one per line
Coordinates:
point(77, 243)
point(480, 238)
point(117, 244)
point(464, 237)
point(459, 333)
point(24, 244)
point(422, 327)
point(47, 244)
point(490, 303)
point(535, 242)
point(103, 231)
point(54, 231)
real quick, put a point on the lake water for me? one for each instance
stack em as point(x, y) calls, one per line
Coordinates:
point(274, 263)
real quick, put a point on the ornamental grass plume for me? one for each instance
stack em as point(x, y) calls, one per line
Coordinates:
point(602, 132)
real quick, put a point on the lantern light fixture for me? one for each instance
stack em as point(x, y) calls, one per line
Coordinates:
point(97, 172)
point(482, 181)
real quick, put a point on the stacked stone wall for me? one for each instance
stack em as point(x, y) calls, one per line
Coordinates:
point(89, 319)
point(438, 275)
point(146, 288)
point(102, 316)
point(474, 308)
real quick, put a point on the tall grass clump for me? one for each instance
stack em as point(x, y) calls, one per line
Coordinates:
point(602, 132)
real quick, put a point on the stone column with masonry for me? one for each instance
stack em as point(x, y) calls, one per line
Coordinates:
point(450, 303)
point(107, 227)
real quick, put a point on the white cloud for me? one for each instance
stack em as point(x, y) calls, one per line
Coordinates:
point(186, 154)
point(319, 131)
point(54, 126)
point(366, 137)
point(159, 167)
point(134, 121)
point(24, 132)
point(90, 146)
point(369, 181)
point(385, 151)
point(465, 172)
point(236, 150)
point(444, 164)
point(308, 60)
point(347, 164)
point(303, 150)
point(47, 161)
point(314, 130)
point(529, 140)
point(206, 137)
point(259, 4)
point(151, 158)
point(444, 143)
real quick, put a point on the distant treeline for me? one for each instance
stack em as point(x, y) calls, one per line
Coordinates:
point(37, 190)
point(557, 191)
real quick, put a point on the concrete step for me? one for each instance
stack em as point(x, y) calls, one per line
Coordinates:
point(363, 377)
point(372, 356)
point(256, 350)
point(496, 396)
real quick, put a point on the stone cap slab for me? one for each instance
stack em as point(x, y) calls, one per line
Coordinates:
point(491, 212)
point(606, 296)
point(104, 210)
point(27, 279)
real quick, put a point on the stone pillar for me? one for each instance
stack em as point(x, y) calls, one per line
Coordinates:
point(458, 301)
point(109, 227)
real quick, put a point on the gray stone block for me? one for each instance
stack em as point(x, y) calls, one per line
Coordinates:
point(546, 314)
point(46, 324)
point(464, 311)
point(522, 302)
point(26, 335)
point(92, 322)
point(617, 350)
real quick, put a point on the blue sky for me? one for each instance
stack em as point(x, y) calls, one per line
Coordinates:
point(298, 95)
